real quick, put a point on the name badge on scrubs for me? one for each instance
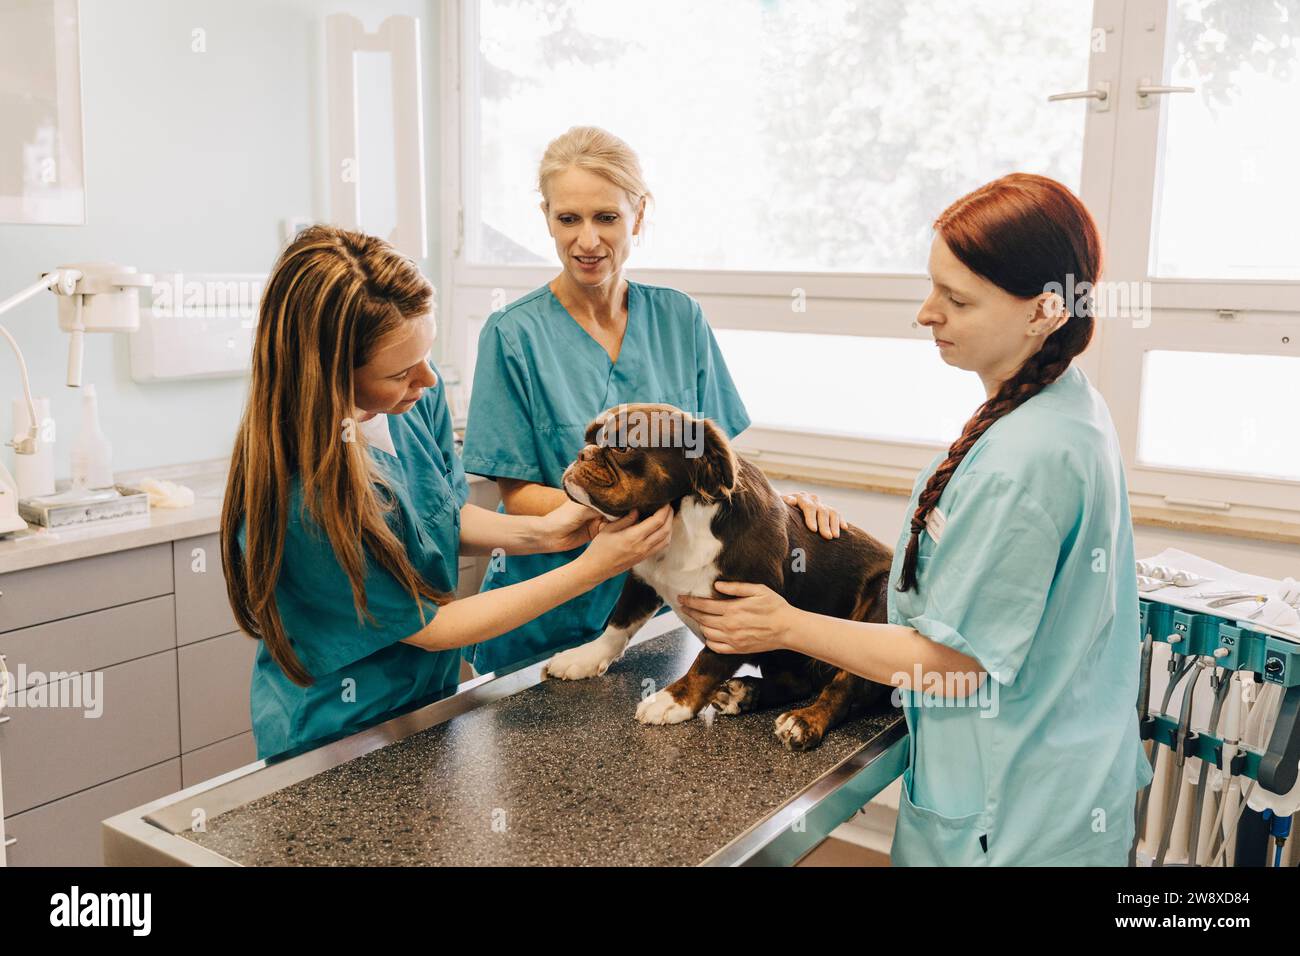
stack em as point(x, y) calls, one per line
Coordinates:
point(934, 523)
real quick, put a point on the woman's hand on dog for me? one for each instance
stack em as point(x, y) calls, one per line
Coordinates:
point(569, 526)
point(820, 518)
point(625, 543)
point(752, 619)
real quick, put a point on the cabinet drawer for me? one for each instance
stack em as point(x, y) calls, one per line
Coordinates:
point(202, 607)
point(67, 832)
point(216, 759)
point(94, 641)
point(51, 752)
point(214, 679)
point(56, 591)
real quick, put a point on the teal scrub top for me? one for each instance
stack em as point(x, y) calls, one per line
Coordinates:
point(362, 672)
point(539, 381)
point(1033, 576)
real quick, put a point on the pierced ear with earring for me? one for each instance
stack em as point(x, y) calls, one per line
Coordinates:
point(1053, 308)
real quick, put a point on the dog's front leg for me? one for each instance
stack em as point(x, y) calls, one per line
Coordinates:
point(636, 604)
point(687, 696)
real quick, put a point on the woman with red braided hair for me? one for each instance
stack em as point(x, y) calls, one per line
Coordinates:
point(1013, 617)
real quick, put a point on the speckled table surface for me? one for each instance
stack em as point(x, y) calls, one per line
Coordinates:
point(557, 774)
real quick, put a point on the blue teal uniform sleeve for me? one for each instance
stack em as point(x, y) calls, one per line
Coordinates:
point(444, 434)
point(314, 598)
point(984, 587)
point(499, 440)
point(717, 395)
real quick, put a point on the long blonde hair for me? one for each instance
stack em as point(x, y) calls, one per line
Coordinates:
point(331, 299)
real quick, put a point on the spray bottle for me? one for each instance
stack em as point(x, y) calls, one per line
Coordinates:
point(92, 455)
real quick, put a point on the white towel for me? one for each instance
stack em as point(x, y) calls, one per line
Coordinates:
point(1283, 624)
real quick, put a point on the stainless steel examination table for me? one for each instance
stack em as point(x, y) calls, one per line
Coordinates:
point(515, 770)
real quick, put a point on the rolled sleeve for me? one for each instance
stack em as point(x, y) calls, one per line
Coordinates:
point(499, 436)
point(985, 586)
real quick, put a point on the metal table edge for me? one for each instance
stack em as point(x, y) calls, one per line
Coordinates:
point(790, 831)
point(148, 835)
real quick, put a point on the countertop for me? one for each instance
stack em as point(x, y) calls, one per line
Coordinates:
point(41, 546)
point(557, 773)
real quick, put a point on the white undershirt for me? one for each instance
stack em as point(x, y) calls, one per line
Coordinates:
point(377, 433)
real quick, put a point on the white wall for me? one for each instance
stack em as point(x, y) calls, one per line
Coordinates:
point(192, 162)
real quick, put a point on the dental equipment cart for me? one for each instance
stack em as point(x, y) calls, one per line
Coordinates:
point(1219, 634)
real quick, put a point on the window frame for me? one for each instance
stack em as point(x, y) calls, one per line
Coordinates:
point(1185, 313)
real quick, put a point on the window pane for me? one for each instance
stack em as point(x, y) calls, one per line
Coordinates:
point(1227, 194)
point(778, 134)
point(1227, 413)
point(887, 389)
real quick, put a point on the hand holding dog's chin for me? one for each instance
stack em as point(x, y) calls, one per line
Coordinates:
point(621, 545)
point(566, 527)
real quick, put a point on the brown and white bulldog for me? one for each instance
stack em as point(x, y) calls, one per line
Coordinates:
point(730, 524)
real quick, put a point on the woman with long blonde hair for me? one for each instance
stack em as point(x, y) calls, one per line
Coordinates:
point(345, 508)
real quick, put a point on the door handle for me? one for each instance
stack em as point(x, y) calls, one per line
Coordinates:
point(1101, 94)
point(1146, 90)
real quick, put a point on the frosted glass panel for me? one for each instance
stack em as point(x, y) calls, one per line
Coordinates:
point(1227, 195)
point(41, 174)
point(777, 134)
point(375, 145)
point(1221, 412)
point(889, 389)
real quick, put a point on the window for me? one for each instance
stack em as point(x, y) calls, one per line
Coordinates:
point(890, 389)
point(778, 135)
point(1243, 64)
point(1220, 412)
point(799, 152)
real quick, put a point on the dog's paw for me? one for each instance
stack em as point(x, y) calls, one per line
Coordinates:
point(661, 708)
point(796, 732)
point(733, 696)
point(578, 663)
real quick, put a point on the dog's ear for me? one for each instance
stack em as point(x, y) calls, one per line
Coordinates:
point(716, 469)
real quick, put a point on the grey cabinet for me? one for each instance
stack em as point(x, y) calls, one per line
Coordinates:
point(216, 759)
point(63, 590)
point(146, 638)
point(66, 832)
point(202, 607)
point(53, 751)
point(143, 638)
point(214, 679)
point(92, 641)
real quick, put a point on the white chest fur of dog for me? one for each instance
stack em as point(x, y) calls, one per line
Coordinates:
point(687, 566)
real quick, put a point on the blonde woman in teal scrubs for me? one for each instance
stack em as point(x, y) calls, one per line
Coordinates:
point(588, 340)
